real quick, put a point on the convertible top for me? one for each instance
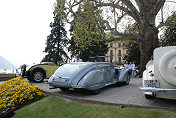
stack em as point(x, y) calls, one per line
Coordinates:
point(49, 63)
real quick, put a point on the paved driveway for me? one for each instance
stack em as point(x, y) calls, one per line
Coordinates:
point(128, 95)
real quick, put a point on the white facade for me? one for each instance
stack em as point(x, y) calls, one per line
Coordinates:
point(117, 50)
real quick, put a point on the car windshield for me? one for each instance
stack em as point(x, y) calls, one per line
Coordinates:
point(74, 69)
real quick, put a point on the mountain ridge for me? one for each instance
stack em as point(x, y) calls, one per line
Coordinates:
point(5, 64)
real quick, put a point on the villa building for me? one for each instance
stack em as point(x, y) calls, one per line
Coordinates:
point(118, 50)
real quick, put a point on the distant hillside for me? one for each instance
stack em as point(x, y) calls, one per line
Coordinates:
point(5, 64)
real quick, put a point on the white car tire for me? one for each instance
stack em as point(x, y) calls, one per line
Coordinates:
point(167, 67)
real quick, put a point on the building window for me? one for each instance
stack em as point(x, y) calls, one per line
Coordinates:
point(119, 45)
point(120, 61)
point(126, 51)
point(110, 44)
point(124, 45)
point(113, 44)
point(116, 44)
point(120, 53)
point(111, 52)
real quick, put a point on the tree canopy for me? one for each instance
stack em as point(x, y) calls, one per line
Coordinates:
point(83, 45)
point(169, 36)
point(56, 41)
point(143, 12)
point(86, 30)
point(133, 54)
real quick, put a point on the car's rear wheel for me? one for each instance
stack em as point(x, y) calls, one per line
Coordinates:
point(128, 80)
point(64, 89)
point(37, 76)
point(95, 92)
point(149, 96)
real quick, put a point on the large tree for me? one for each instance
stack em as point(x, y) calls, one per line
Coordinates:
point(133, 54)
point(56, 41)
point(143, 12)
point(86, 47)
point(169, 36)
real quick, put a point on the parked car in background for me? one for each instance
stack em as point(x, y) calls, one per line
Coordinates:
point(159, 78)
point(38, 72)
point(88, 76)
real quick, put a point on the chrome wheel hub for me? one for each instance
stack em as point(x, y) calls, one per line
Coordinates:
point(38, 76)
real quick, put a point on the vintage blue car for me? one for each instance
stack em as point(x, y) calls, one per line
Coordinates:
point(88, 76)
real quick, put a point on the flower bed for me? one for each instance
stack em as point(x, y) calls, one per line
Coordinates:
point(16, 92)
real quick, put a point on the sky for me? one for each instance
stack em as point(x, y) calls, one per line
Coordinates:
point(24, 27)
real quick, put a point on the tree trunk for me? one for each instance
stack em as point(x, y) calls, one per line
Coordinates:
point(148, 41)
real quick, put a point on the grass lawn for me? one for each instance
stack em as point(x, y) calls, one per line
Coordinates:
point(52, 107)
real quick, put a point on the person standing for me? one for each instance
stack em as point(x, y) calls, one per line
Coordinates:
point(130, 67)
point(133, 69)
point(78, 58)
point(126, 65)
point(17, 73)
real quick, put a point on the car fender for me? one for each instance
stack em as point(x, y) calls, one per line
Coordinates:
point(123, 75)
point(92, 80)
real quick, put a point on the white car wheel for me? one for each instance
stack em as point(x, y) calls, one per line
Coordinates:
point(167, 67)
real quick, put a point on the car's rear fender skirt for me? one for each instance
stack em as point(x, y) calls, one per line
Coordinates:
point(94, 79)
point(123, 75)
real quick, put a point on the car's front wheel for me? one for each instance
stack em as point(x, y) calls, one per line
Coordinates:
point(128, 80)
point(149, 96)
point(23, 70)
point(37, 76)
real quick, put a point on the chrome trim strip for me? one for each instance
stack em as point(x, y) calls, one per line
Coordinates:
point(77, 86)
point(148, 89)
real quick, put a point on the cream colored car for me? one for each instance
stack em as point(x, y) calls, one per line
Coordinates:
point(38, 72)
point(159, 78)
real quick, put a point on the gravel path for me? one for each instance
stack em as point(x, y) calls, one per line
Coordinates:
point(129, 95)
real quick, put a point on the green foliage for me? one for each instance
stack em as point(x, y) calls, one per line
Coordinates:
point(169, 37)
point(131, 29)
point(56, 41)
point(87, 39)
point(52, 107)
point(132, 45)
point(98, 48)
point(87, 31)
point(133, 52)
point(59, 9)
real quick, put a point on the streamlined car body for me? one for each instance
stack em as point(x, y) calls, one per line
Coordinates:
point(88, 76)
